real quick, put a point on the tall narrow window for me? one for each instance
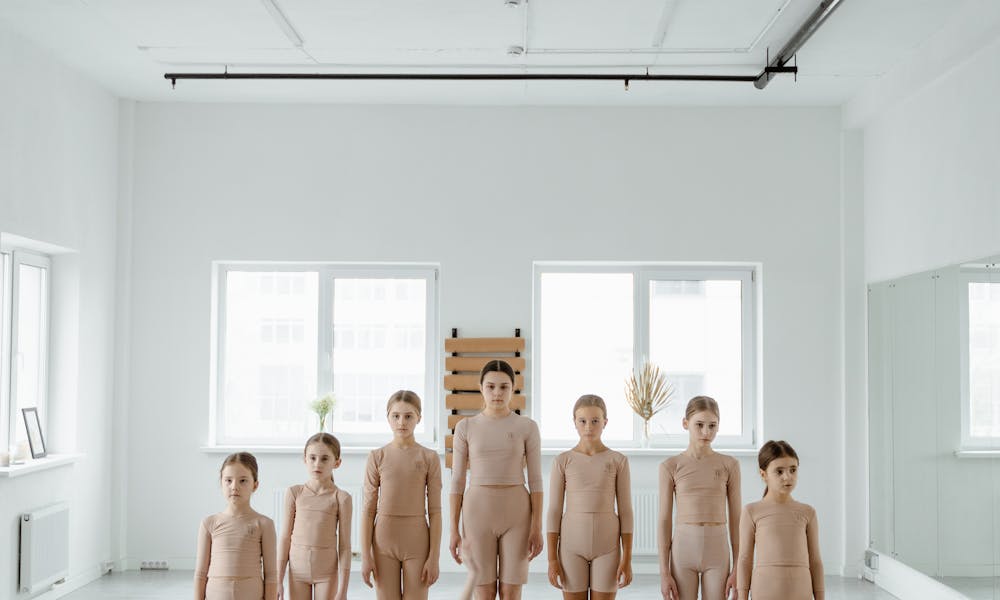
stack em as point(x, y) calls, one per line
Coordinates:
point(585, 344)
point(270, 373)
point(25, 335)
point(981, 358)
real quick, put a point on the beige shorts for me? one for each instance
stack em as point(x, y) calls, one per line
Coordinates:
point(589, 551)
point(234, 588)
point(311, 564)
point(781, 583)
point(700, 550)
point(495, 527)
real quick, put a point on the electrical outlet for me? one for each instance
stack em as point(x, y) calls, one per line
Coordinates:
point(154, 565)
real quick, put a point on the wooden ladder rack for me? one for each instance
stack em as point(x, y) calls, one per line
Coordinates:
point(464, 359)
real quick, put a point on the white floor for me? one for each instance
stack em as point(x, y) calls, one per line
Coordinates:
point(976, 588)
point(159, 585)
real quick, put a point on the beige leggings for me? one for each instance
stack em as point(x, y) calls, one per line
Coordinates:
point(781, 583)
point(495, 527)
point(311, 564)
point(704, 550)
point(401, 546)
point(234, 588)
point(589, 551)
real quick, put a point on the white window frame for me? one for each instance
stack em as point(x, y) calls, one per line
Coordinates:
point(642, 274)
point(13, 259)
point(971, 274)
point(327, 272)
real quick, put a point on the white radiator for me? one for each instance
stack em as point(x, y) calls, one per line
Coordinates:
point(355, 492)
point(44, 548)
point(645, 506)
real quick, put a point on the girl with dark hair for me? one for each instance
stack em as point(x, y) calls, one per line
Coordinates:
point(783, 533)
point(501, 522)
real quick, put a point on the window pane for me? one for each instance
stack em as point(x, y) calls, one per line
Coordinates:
point(379, 333)
point(29, 351)
point(695, 336)
point(984, 359)
point(586, 348)
point(269, 350)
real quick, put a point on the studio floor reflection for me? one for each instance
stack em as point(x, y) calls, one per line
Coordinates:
point(146, 585)
point(975, 588)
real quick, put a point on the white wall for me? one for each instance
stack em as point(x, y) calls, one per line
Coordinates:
point(932, 198)
point(483, 191)
point(932, 187)
point(58, 170)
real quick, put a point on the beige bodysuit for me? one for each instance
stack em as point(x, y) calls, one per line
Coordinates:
point(590, 530)
point(496, 521)
point(784, 538)
point(233, 552)
point(320, 533)
point(402, 486)
point(707, 492)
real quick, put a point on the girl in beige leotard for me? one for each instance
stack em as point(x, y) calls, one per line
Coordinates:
point(501, 523)
point(590, 547)
point(236, 545)
point(398, 547)
point(315, 544)
point(707, 489)
point(782, 533)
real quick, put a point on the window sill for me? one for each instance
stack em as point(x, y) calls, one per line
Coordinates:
point(977, 453)
point(39, 464)
point(280, 449)
point(663, 452)
point(546, 451)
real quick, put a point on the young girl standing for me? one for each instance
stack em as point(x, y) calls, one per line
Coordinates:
point(316, 530)
point(590, 547)
point(706, 485)
point(399, 548)
point(501, 522)
point(783, 533)
point(237, 544)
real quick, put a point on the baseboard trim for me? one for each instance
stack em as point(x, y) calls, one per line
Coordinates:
point(904, 581)
point(73, 583)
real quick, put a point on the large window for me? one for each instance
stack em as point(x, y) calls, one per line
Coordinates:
point(980, 354)
point(594, 324)
point(24, 295)
point(290, 333)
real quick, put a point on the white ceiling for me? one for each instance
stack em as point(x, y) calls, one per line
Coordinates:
point(128, 45)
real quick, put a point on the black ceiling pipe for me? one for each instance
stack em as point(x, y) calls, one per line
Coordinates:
point(626, 78)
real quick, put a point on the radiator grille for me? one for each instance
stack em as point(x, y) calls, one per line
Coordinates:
point(645, 505)
point(44, 547)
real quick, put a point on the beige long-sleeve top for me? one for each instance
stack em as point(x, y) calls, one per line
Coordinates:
point(496, 451)
point(321, 520)
point(398, 481)
point(702, 485)
point(236, 546)
point(779, 534)
point(590, 484)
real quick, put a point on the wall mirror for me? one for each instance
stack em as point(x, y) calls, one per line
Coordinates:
point(934, 423)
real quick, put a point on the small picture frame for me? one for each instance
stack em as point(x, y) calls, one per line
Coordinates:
point(34, 427)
